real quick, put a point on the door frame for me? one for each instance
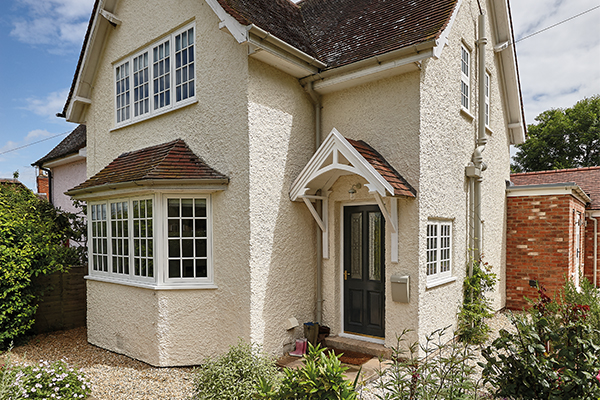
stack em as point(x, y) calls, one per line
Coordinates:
point(341, 333)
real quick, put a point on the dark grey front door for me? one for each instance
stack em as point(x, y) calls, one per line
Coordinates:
point(364, 271)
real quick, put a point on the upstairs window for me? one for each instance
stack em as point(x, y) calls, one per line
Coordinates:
point(465, 78)
point(149, 82)
point(439, 246)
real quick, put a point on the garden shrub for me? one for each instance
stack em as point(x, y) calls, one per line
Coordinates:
point(476, 308)
point(32, 243)
point(445, 371)
point(234, 375)
point(43, 381)
point(321, 378)
point(552, 354)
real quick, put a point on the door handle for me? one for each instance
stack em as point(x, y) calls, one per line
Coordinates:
point(345, 275)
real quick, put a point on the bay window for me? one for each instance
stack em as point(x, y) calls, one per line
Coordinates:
point(158, 240)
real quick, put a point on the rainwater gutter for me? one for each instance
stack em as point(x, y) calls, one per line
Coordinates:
point(595, 249)
point(316, 100)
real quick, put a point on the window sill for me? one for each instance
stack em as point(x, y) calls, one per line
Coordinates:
point(488, 130)
point(153, 286)
point(438, 282)
point(155, 114)
point(466, 113)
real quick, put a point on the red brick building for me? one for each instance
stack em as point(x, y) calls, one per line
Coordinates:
point(552, 231)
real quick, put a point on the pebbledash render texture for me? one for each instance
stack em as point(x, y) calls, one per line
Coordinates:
point(378, 83)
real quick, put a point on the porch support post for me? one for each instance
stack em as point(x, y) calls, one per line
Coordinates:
point(391, 220)
point(322, 221)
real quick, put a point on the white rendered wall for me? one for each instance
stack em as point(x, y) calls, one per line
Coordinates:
point(282, 232)
point(448, 138)
point(189, 325)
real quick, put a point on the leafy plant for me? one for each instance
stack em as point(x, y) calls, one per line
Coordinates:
point(43, 381)
point(234, 375)
point(476, 308)
point(321, 378)
point(445, 372)
point(32, 243)
point(552, 355)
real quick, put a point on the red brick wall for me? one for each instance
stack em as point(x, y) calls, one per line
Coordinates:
point(42, 185)
point(539, 245)
point(589, 250)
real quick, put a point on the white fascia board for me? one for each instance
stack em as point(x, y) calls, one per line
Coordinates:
point(73, 158)
point(443, 39)
point(552, 189)
point(335, 142)
point(89, 63)
point(148, 186)
point(237, 30)
point(370, 73)
point(504, 50)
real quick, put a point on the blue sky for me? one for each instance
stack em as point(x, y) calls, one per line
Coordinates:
point(40, 41)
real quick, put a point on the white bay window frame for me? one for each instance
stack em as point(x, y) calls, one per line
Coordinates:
point(167, 81)
point(159, 252)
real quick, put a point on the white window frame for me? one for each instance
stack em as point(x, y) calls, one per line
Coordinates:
point(439, 251)
point(171, 82)
point(160, 280)
point(487, 86)
point(209, 234)
point(465, 78)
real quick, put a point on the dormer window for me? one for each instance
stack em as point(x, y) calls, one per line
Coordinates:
point(149, 83)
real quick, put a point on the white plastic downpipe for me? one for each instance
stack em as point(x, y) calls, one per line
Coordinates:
point(316, 100)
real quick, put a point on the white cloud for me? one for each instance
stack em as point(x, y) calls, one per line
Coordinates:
point(60, 24)
point(48, 106)
point(559, 66)
point(37, 134)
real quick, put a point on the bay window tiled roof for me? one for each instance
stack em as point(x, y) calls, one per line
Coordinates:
point(172, 160)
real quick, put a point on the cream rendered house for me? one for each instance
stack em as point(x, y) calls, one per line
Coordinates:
point(254, 161)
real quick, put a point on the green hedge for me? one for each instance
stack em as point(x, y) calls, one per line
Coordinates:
point(33, 235)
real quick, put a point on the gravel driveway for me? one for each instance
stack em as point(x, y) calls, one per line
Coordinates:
point(117, 377)
point(113, 376)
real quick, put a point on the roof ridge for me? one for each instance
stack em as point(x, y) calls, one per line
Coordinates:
point(554, 171)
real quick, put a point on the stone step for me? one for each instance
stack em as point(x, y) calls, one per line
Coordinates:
point(360, 346)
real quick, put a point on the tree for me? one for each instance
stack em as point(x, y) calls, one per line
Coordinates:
point(562, 138)
point(33, 238)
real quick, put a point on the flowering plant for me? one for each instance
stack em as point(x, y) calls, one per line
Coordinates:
point(47, 381)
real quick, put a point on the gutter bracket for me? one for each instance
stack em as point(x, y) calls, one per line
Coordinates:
point(111, 18)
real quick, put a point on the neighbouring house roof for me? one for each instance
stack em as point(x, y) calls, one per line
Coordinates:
point(400, 185)
point(69, 145)
point(169, 161)
point(10, 181)
point(338, 32)
point(587, 178)
point(338, 156)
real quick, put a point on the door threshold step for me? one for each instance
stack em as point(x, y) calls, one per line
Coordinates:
point(359, 346)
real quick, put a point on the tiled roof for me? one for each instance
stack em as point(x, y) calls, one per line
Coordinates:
point(339, 32)
point(10, 181)
point(400, 185)
point(587, 178)
point(173, 160)
point(70, 145)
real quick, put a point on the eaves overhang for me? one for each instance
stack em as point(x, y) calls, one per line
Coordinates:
point(509, 72)
point(80, 93)
point(148, 185)
point(549, 189)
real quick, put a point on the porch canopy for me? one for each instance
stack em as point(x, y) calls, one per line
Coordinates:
point(338, 156)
